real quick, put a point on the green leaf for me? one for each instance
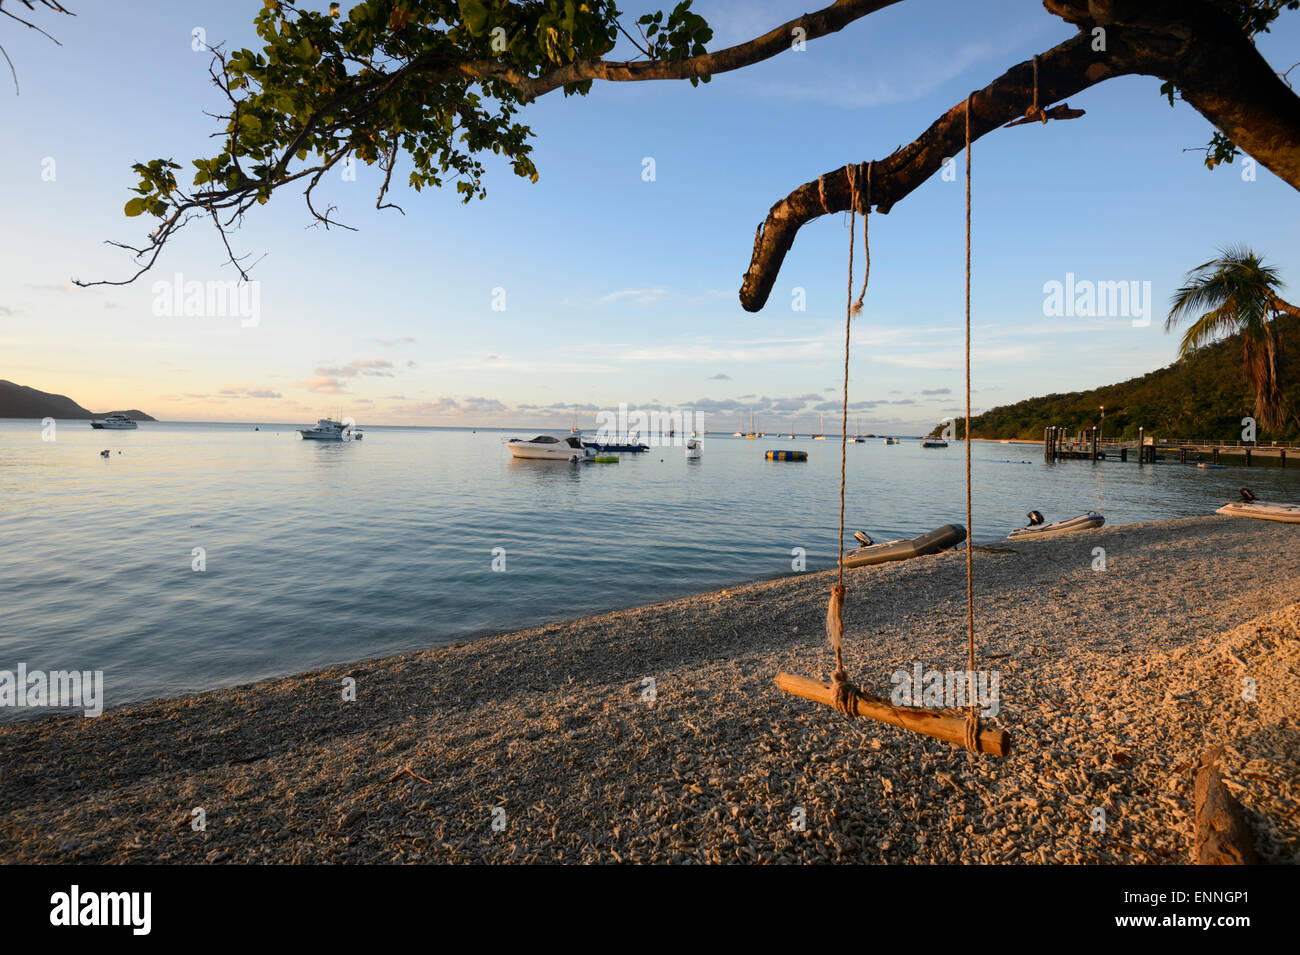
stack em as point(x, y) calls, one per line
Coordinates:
point(475, 15)
point(134, 207)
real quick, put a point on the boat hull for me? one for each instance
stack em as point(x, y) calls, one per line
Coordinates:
point(941, 538)
point(547, 454)
point(1263, 510)
point(1084, 522)
point(100, 426)
point(615, 448)
point(320, 436)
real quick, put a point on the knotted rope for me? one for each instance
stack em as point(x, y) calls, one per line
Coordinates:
point(1033, 112)
point(972, 714)
point(845, 692)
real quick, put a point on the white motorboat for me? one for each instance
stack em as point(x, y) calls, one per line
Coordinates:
point(891, 441)
point(547, 447)
point(694, 449)
point(114, 422)
point(327, 429)
point(933, 443)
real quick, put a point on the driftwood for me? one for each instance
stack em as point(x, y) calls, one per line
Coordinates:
point(943, 726)
point(1222, 836)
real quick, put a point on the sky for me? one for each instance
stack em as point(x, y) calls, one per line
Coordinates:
point(596, 286)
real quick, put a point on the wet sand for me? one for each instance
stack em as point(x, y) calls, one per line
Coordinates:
point(545, 744)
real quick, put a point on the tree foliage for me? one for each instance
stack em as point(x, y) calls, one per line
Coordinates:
point(1252, 17)
point(1203, 395)
point(437, 85)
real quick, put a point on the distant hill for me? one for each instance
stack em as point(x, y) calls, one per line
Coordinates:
point(1202, 396)
point(20, 401)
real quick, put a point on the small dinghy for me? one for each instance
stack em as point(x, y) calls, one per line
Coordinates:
point(950, 535)
point(1207, 466)
point(1264, 510)
point(1037, 528)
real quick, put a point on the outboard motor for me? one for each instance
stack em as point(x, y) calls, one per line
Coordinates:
point(1035, 518)
point(1247, 495)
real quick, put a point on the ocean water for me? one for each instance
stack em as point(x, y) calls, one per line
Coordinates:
point(320, 553)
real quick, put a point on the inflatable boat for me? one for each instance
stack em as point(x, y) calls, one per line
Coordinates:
point(950, 535)
point(1265, 510)
point(1036, 528)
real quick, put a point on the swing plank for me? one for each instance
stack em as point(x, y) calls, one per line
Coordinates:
point(995, 742)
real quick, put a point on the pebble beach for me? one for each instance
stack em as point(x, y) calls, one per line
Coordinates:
point(656, 734)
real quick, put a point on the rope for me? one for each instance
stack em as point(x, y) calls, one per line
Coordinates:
point(973, 712)
point(866, 247)
point(1035, 111)
point(845, 692)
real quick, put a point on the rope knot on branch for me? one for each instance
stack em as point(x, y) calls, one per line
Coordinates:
point(846, 694)
point(972, 731)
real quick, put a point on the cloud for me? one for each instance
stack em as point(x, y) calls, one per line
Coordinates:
point(720, 376)
point(376, 368)
point(394, 342)
point(768, 350)
point(828, 87)
point(7, 311)
point(446, 406)
point(936, 391)
point(243, 391)
point(759, 405)
point(323, 383)
point(640, 296)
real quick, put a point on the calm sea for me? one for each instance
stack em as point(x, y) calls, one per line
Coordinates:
point(319, 553)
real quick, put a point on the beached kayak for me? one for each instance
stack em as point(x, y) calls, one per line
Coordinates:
point(1084, 522)
point(950, 535)
point(1265, 510)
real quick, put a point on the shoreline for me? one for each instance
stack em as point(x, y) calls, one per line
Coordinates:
point(1110, 682)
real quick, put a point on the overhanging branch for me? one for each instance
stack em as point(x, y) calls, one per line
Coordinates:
point(1062, 71)
point(1216, 66)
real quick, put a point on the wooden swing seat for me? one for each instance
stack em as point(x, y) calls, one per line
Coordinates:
point(945, 726)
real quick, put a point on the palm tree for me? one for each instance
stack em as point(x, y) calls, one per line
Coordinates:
point(1236, 293)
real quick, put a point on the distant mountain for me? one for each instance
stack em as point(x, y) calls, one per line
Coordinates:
point(20, 401)
point(1204, 395)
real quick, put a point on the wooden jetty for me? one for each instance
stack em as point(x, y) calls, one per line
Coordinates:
point(1085, 445)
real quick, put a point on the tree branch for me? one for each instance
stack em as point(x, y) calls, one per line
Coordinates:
point(1062, 71)
point(1217, 67)
point(829, 20)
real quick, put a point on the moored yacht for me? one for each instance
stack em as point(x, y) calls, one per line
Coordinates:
point(114, 422)
point(547, 447)
point(327, 429)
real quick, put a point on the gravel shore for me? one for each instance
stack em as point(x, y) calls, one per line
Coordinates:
point(547, 744)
